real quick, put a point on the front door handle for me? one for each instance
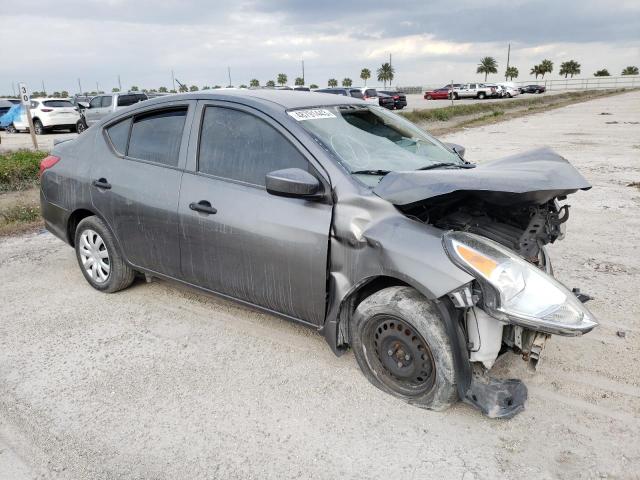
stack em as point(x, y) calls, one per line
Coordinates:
point(101, 183)
point(203, 206)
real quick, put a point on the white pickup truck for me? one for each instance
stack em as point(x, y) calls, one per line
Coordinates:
point(473, 90)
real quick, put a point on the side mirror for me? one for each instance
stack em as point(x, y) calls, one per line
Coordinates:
point(459, 149)
point(293, 182)
point(83, 105)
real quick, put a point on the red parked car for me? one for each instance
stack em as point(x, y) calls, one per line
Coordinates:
point(437, 94)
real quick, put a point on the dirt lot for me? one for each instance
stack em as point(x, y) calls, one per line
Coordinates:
point(161, 382)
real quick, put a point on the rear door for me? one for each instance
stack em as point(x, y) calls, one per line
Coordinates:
point(136, 181)
point(263, 249)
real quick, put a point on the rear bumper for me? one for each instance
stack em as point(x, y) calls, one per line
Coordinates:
point(59, 121)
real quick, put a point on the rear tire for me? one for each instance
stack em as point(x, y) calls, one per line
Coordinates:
point(11, 129)
point(80, 126)
point(481, 95)
point(38, 128)
point(456, 96)
point(401, 345)
point(98, 256)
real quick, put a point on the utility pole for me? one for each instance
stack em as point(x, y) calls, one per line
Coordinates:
point(229, 72)
point(44, 90)
point(173, 79)
point(97, 88)
point(79, 87)
point(508, 58)
point(119, 83)
point(13, 87)
point(390, 69)
point(303, 73)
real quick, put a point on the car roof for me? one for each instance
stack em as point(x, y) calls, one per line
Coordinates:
point(46, 99)
point(286, 99)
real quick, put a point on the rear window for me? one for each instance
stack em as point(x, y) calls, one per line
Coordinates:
point(356, 93)
point(58, 103)
point(126, 100)
point(156, 136)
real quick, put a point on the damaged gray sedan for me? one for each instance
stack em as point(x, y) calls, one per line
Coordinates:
point(336, 214)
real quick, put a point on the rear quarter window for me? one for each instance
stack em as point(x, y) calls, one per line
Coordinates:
point(119, 135)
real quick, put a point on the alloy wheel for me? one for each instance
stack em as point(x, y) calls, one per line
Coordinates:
point(94, 256)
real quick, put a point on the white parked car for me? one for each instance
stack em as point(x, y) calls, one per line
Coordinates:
point(510, 90)
point(472, 90)
point(49, 114)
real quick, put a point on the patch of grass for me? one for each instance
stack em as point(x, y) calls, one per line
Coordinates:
point(19, 218)
point(19, 169)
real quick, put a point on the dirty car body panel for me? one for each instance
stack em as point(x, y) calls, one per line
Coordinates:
point(203, 216)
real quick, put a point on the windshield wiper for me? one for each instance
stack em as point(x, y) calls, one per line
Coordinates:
point(439, 165)
point(370, 172)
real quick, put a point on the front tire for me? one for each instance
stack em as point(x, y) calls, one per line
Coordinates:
point(400, 343)
point(481, 95)
point(80, 126)
point(99, 258)
point(12, 129)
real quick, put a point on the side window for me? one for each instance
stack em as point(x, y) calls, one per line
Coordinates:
point(371, 93)
point(356, 93)
point(119, 135)
point(156, 136)
point(126, 100)
point(106, 101)
point(95, 102)
point(241, 146)
point(34, 104)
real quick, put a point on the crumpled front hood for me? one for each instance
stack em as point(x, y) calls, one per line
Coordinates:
point(536, 176)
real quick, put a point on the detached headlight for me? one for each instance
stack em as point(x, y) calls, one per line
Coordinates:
point(515, 290)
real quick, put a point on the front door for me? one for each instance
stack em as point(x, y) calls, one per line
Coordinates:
point(237, 239)
point(136, 184)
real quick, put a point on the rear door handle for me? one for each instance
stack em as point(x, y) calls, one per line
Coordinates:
point(203, 206)
point(101, 183)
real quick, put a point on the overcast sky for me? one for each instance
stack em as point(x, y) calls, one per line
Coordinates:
point(432, 42)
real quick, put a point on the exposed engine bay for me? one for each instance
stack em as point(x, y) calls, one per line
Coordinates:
point(524, 228)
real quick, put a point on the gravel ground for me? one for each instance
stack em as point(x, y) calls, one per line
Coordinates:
point(161, 382)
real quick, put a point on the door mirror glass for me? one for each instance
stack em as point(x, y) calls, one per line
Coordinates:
point(293, 182)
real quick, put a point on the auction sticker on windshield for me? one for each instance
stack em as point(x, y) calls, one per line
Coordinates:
point(311, 114)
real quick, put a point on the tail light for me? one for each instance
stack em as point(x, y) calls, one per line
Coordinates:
point(48, 162)
point(396, 97)
point(46, 109)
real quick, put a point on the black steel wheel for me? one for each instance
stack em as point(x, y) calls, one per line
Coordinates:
point(401, 345)
point(402, 355)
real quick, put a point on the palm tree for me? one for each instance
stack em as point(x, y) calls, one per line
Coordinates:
point(254, 83)
point(487, 65)
point(282, 79)
point(365, 74)
point(546, 66)
point(115, 90)
point(206, 87)
point(630, 70)
point(385, 73)
point(299, 81)
point(193, 88)
point(134, 88)
point(162, 89)
point(332, 82)
point(570, 67)
point(602, 73)
point(511, 73)
point(64, 94)
point(313, 85)
point(271, 83)
point(183, 88)
point(346, 82)
point(536, 70)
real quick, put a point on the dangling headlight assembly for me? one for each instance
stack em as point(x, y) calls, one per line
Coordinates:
point(514, 290)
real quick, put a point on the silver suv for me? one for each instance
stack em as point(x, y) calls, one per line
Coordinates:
point(102, 105)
